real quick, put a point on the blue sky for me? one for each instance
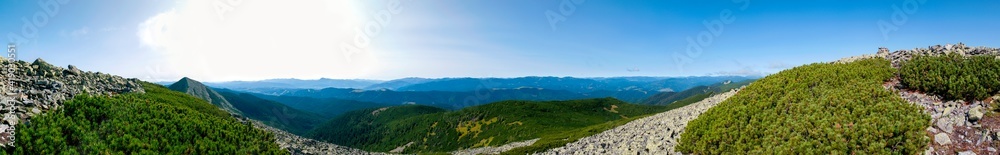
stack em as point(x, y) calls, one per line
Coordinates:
point(221, 40)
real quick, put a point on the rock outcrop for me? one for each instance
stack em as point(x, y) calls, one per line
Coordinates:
point(300, 145)
point(955, 125)
point(657, 134)
point(33, 88)
point(901, 56)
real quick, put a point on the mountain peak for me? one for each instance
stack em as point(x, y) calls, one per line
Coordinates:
point(194, 88)
point(39, 61)
point(188, 80)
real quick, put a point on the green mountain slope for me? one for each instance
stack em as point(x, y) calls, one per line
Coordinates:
point(197, 89)
point(433, 130)
point(274, 114)
point(817, 108)
point(695, 93)
point(328, 108)
point(160, 121)
point(953, 76)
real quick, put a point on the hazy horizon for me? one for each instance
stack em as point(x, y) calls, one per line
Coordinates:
point(386, 80)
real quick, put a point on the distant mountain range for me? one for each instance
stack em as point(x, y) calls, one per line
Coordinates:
point(296, 83)
point(326, 107)
point(457, 93)
point(299, 110)
point(573, 84)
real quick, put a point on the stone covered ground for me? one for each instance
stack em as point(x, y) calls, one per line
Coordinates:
point(957, 127)
point(655, 134)
point(30, 89)
point(299, 145)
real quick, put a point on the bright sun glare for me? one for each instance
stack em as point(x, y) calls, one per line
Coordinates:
point(231, 39)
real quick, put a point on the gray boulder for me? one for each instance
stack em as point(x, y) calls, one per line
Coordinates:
point(975, 114)
point(942, 138)
point(71, 70)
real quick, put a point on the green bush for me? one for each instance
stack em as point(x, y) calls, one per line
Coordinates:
point(953, 76)
point(812, 109)
point(157, 122)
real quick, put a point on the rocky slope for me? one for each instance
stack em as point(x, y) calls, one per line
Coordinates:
point(301, 145)
point(495, 149)
point(30, 89)
point(655, 134)
point(957, 126)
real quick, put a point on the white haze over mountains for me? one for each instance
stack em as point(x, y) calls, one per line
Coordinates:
point(221, 41)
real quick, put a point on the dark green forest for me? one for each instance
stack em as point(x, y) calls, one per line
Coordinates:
point(272, 113)
point(435, 130)
point(953, 76)
point(160, 121)
point(327, 107)
point(820, 108)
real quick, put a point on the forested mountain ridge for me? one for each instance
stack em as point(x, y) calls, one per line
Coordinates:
point(432, 129)
point(327, 108)
point(197, 89)
point(268, 112)
point(274, 114)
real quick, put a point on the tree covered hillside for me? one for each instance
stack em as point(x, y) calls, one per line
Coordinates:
point(433, 130)
point(818, 108)
point(160, 121)
point(274, 114)
point(953, 76)
point(327, 108)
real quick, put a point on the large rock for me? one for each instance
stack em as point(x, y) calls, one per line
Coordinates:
point(43, 68)
point(975, 114)
point(71, 70)
point(945, 124)
point(942, 139)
